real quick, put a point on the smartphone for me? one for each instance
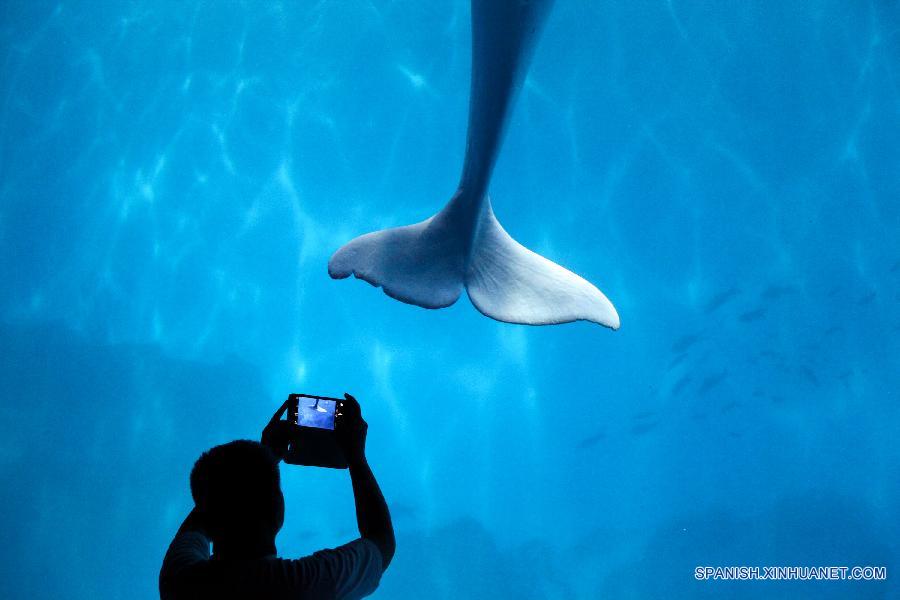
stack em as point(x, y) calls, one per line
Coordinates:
point(317, 444)
point(313, 411)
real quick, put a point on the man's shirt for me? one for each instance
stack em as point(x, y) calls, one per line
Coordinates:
point(349, 571)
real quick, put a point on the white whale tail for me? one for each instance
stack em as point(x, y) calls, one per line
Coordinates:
point(422, 264)
point(428, 264)
point(463, 245)
point(508, 282)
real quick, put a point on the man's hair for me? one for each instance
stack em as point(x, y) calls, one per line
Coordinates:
point(237, 488)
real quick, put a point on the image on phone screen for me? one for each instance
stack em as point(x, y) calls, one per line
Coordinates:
point(317, 413)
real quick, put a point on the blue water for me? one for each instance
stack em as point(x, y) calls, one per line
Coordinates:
point(175, 175)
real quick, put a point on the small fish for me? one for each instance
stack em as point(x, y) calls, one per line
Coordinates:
point(400, 509)
point(710, 382)
point(833, 330)
point(592, 440)
point(895, 268)
point(720, 299)
point(867, 299)
point(809, 375)
point(676, 360)
point(685, 342)
point(752, 315)
point(644, 415)
point(680, 385)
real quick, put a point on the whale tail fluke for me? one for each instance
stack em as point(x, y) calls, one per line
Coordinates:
point(420, 264)
point(428, 264)
point(508, 282)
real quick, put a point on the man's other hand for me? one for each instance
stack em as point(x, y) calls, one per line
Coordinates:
point(350, 429)
point(279, 434)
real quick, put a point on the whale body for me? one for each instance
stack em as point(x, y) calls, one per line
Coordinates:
point(464, 246)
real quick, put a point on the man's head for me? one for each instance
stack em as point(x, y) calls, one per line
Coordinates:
point(237, 489)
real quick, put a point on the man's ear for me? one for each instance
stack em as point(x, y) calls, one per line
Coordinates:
point(279, 510)
point(206, 523)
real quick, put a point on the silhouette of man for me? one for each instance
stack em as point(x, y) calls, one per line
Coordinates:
point(239, 507)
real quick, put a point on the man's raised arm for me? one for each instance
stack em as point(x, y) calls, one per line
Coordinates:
point(372, 515)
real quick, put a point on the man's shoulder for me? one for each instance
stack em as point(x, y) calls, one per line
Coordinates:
point(353, 570)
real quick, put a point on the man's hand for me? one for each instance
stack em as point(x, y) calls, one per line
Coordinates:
point(279, 434)
point(350, 430)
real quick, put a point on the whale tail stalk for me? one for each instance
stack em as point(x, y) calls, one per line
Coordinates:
point(429, 263)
